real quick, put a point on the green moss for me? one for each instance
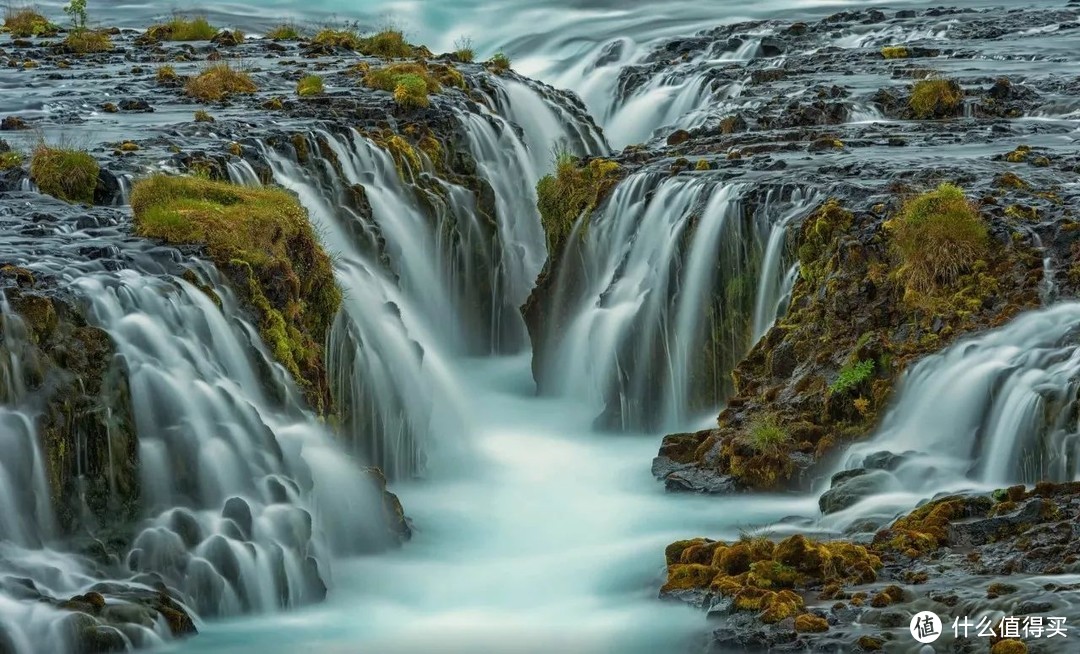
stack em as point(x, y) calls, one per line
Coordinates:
point(817, 235)
point(219, 81)
point(935, 98)
point(262, 239)
point(284, 32)
point(1022, 212)
point(411, 91)
point(499, 64)
point(571, 192)
point(84, 41)
point(937, 236)
point(309, 85)
point(65, 173)
point(1019, 155)
point(180, 28)
point(852, 376)
point(24, 22)
point(410, 83)
point(10, 159)
point(810, 623)
point(895, 52)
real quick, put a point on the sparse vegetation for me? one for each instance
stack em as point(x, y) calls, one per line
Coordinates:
point(76, 10)
point(309, 85)
point(936, 236)
point(219, 81)
point(895, 52)
point(10, 159)
point(180, 28)
point(463, 49)
point(411, 83)
point(285, 32)
point(499, 64)
point(935, 98)
point(262, 240)
point(64, 172)
point(203, 117)
point(572, 191)
point(24, 22)
point(387, 44)
point(166, 75)
point(852, 376)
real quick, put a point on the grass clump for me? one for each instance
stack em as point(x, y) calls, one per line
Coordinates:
point(64, 172)
point(935, 98)
point(463, 50)
point(262, 240)
point(571, 192)
point(411, 83)
point(180, 28)
point(766, 436)
point(166, 75)
point(24, 22)
point(309, 85)
point(852, 376)
point(84, 41)
point(217, 82)
point(937, 236)
point(10, 159)
point(387, 44)
point(895, 52)
point(284, 32)
point(499, 64)
point(203, 117)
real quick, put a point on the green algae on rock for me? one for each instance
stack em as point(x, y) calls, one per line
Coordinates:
point(261, 239)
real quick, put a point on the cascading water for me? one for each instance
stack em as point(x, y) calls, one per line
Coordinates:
point(988, 412)
point(663, 304)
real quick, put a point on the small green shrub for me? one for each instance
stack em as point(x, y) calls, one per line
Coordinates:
point(936, 237)
point(284, 32)
point(499, 64)
point(217, 82)
point(76, 9)
point(24, 22)
point(463, 50)
point(766, 436)
point(309, 85)
point(935, 98)
point(851, 376)
point(571, 192)
point(65, 173)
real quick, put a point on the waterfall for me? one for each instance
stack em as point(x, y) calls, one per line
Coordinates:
point(660, 303)
point(990, 411)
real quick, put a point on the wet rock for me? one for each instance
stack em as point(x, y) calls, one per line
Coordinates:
point(12, 123)
point(851, 487)
point(136, 105)
point(678, 137)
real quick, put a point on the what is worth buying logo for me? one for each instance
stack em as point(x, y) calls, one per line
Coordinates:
point(925, 626)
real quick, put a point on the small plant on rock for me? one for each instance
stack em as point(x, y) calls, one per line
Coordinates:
point(937, 236)
point(309, 85)
point(571, 192)
point(463, 49)
point(852, 376)
point(935, 98)
point(284, 32)
point(766, 436)
point(24, 22)
point(499, 64)
point(76, 9)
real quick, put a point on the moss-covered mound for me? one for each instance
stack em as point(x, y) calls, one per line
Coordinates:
point(262, 240)
point(873, 296)
point(218, 82)
point(387, 44)
point(935, 98)
point(181, 28)
point(24, 22)
point(412, 83)
point(65, 173)
point(766, 577)
point(572, 190)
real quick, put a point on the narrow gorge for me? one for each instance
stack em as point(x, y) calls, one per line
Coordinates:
point(727, 330)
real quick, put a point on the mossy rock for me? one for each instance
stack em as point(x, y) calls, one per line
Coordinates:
point(65, 173)
point(262, 240)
